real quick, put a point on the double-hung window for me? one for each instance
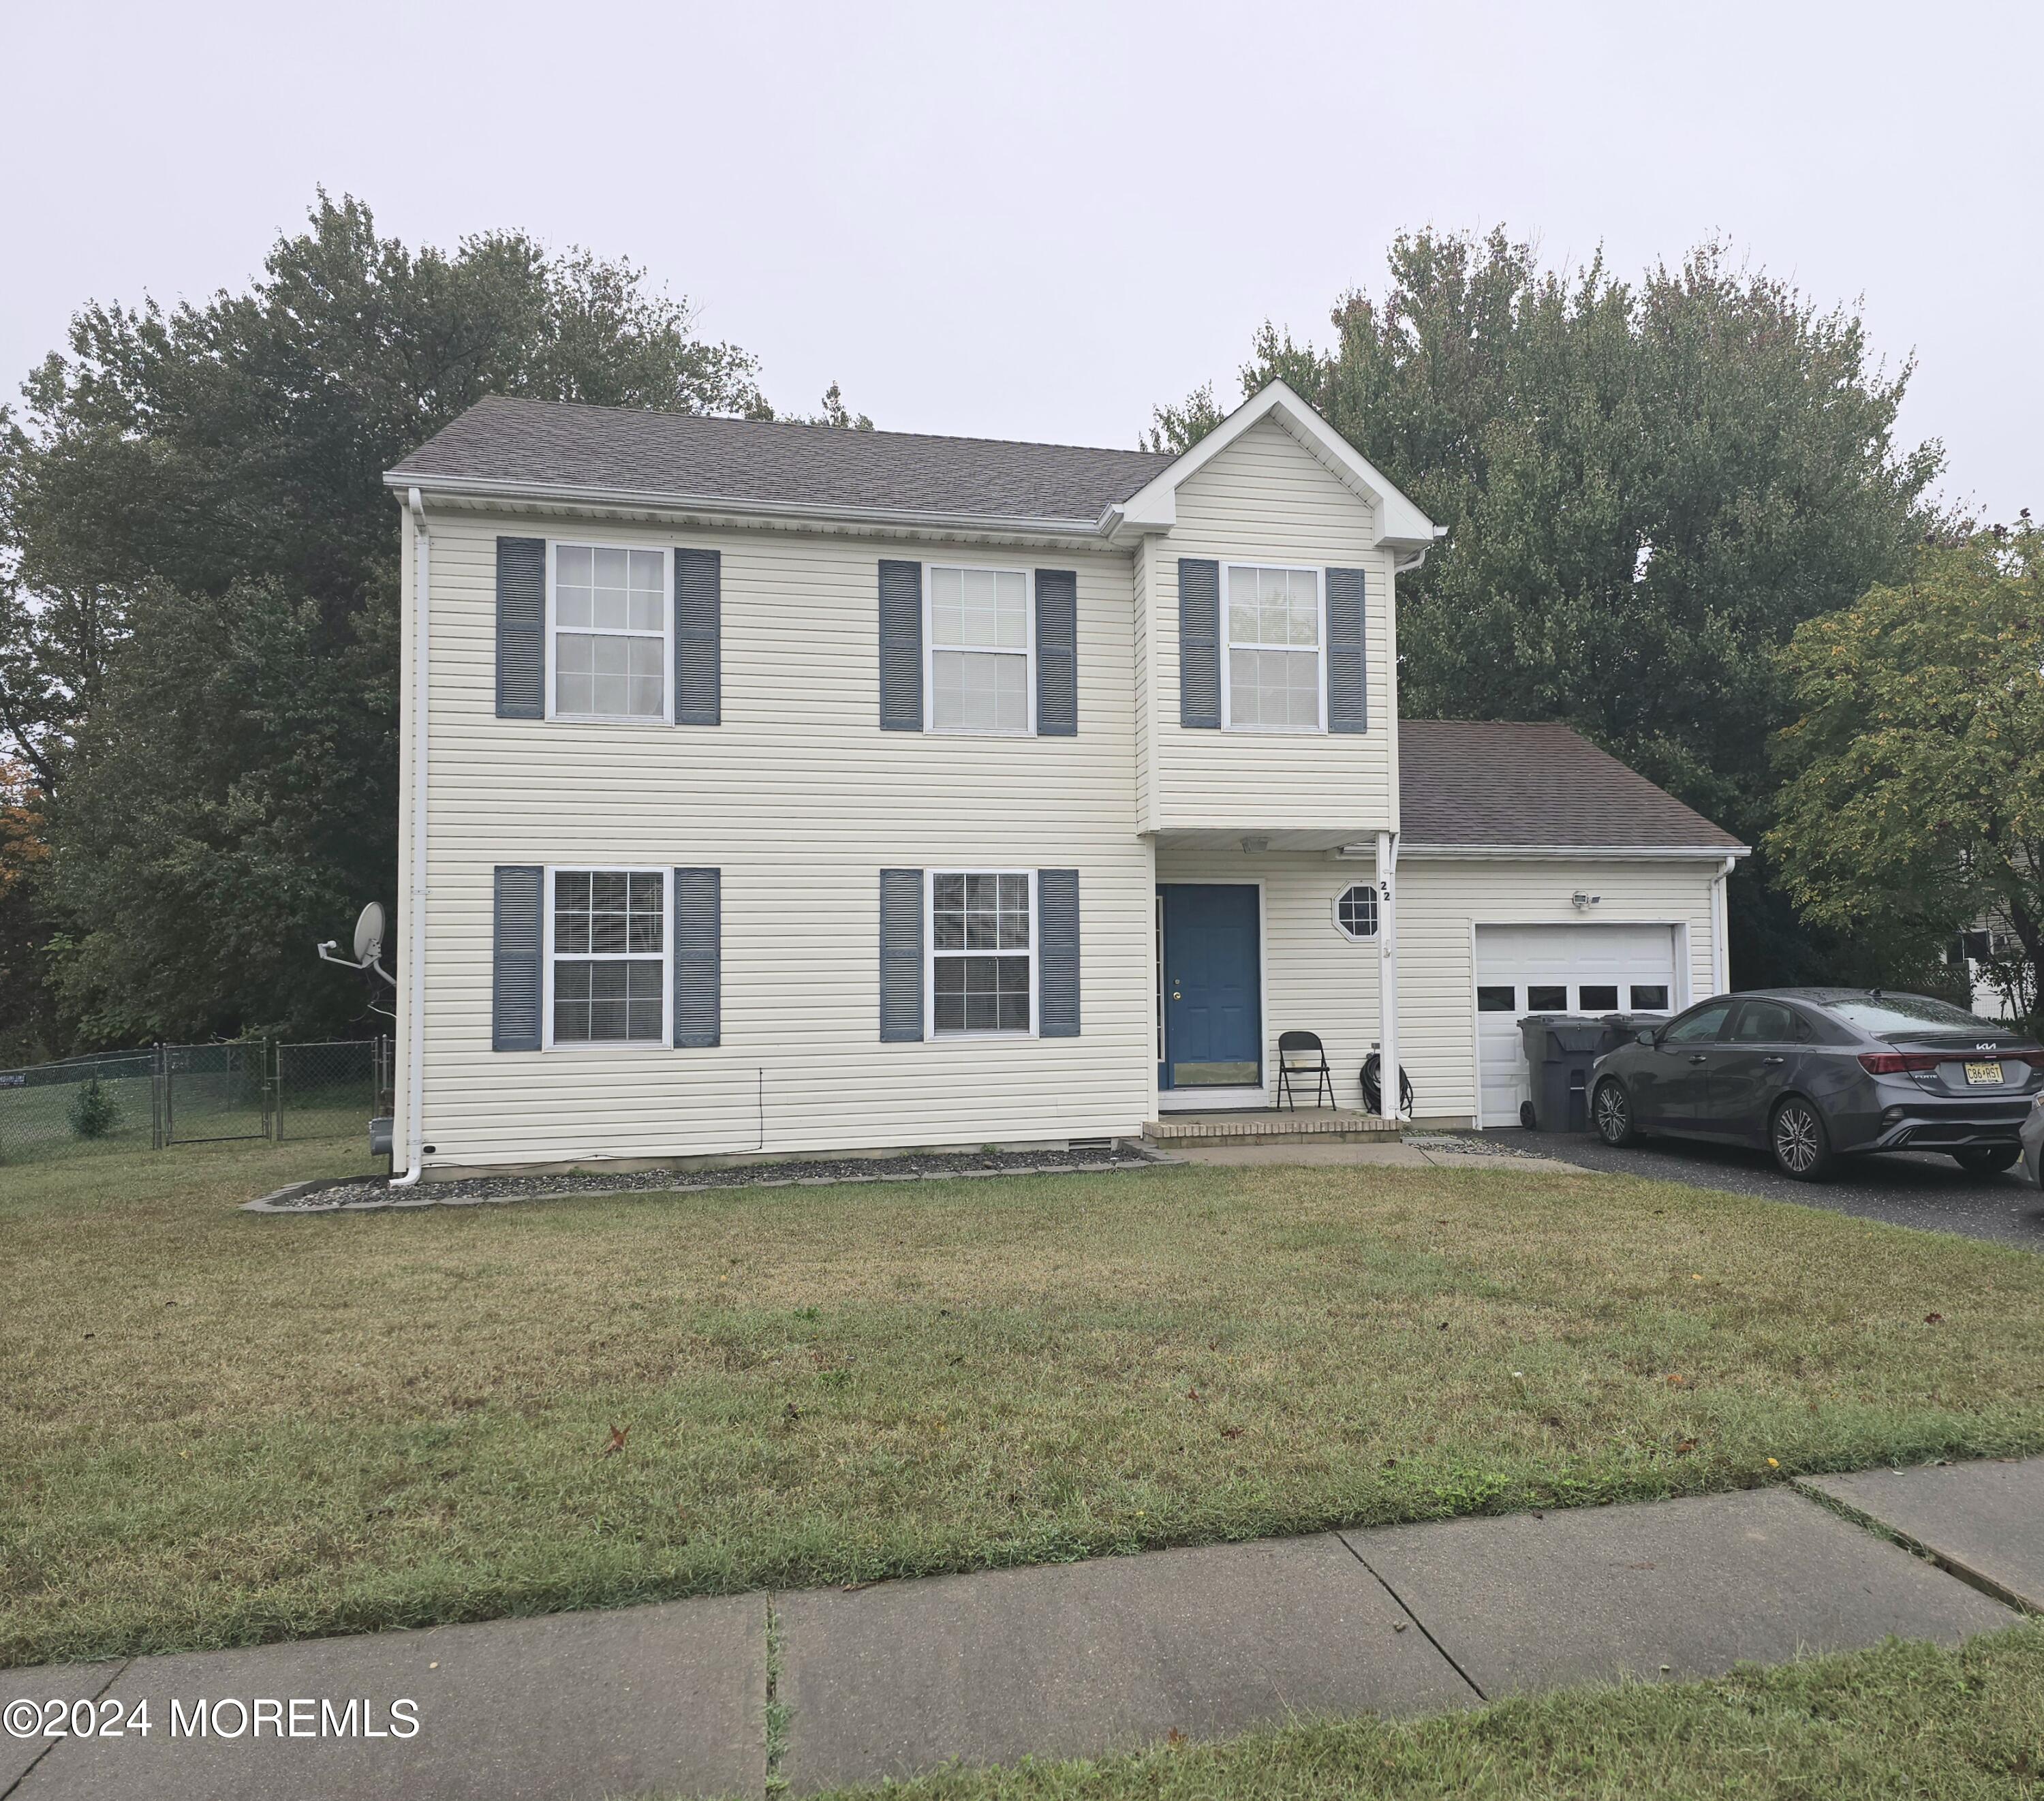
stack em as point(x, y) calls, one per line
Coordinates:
point(607, 653)
point(606, 936)
point(1274, 677)
point(980, 650)
point(982, 966)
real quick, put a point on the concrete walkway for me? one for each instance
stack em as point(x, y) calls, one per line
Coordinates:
point(1061, 1659)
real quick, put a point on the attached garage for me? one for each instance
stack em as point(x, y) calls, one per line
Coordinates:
point(1538, 875)
point(1589, 968)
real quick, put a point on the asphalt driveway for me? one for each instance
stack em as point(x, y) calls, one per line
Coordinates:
point(1907, 1188)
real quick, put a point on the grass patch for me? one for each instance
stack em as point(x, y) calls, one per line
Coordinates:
point(1907, 1720)
point(222, 1428)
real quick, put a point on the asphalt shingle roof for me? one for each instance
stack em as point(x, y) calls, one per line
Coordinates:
point(634, 450)
point(1489, 782)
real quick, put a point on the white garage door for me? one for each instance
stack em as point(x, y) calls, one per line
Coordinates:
point(1523, 969)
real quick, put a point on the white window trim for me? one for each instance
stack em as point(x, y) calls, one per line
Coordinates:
point(666, 554)
point(930, 953)
point(578, 1046)
point(1334, 913)
point(1319, 575)
point(930, 647)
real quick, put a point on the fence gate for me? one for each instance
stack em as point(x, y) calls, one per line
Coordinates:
point(211, 1093)
point(327, 1091)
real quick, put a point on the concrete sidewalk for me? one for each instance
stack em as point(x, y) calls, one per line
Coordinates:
point(1061, 1660)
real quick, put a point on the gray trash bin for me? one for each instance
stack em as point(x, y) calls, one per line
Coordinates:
point(1560, 1048)
point(1623, 1028)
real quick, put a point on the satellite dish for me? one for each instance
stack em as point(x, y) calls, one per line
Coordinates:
point(369, 933)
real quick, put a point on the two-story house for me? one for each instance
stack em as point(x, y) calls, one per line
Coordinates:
point(774, 787)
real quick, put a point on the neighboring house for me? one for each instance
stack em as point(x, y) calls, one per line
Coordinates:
point(797, 789)
point(1985, 953)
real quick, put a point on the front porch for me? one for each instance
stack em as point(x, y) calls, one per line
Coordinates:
point(1252, 943)
point(1267, 1126)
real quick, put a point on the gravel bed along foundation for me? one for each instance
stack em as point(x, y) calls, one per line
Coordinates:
point(360, 1193)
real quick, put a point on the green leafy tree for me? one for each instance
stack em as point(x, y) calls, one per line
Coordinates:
point(1915, 802)
point(1647, 489)
point(197, 644)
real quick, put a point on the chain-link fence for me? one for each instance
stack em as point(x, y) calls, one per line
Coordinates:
point(329, 1091)
point(84, 1104)
point(174, 1094)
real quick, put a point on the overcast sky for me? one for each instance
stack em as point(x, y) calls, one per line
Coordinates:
point(1040, 221)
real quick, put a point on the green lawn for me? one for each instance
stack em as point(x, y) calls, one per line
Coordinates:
point(1912, 1721)
point(220, 1428)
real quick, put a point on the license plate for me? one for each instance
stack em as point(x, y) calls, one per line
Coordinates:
point(1983, 1074)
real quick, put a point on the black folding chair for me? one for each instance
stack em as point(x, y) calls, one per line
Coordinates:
point(1301, 1053)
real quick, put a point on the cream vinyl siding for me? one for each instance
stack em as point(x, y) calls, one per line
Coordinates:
point(1316, 978)
point(1441, 901)
point(1267, 499)
point(800, 800)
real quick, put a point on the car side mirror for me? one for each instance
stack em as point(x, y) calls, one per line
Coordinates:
point(1647, 1037)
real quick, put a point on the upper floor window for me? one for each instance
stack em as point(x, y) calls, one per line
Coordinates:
point(607, 956)
point(980, 650)
point(1272, 678)
point(607, 632)
point(982, 977)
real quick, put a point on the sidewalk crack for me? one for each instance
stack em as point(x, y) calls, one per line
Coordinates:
point(119, 1668)
point(1424, 1633)
point(777, 1715)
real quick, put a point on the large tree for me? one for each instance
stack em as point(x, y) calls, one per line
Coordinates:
point(198, 642)
point(1647, 488)
point(1914, 806)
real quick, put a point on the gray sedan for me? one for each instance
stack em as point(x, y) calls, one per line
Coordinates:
point(1815, 1074)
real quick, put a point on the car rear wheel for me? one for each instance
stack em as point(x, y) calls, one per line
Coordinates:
point(1802, 1147)
point(1611, 1111)
point(1987, 1159)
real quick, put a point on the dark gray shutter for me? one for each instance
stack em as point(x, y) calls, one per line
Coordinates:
point(521, 628)
point(1348, 702)
point(514, 995)
point(698, 956)
point(1058, 948)
point(901, 647)
point(1057, 653)
point(698, 638)
point(901, 956)
point(1199, 643)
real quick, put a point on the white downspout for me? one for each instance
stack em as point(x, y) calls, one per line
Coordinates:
point(415, 904)
point(1387, 974)
point(1720, 926)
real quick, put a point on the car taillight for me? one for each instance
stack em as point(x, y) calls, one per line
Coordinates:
point(1898, 1062)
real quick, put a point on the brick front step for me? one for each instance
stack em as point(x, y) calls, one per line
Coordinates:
point(1269, 1126)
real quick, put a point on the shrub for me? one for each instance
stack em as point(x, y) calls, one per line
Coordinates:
point(93, 1113)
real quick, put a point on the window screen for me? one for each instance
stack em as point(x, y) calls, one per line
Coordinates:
point(609, 953)
point(980, 975)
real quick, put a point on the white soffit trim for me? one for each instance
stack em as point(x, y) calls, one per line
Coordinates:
point(1153, 508)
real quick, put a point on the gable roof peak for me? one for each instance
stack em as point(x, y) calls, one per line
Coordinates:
point(1400, 525)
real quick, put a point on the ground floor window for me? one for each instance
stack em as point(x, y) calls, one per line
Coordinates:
point(608, 958)
point(981, 961)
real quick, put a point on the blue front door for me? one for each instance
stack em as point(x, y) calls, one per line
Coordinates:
point(1213, 1002)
